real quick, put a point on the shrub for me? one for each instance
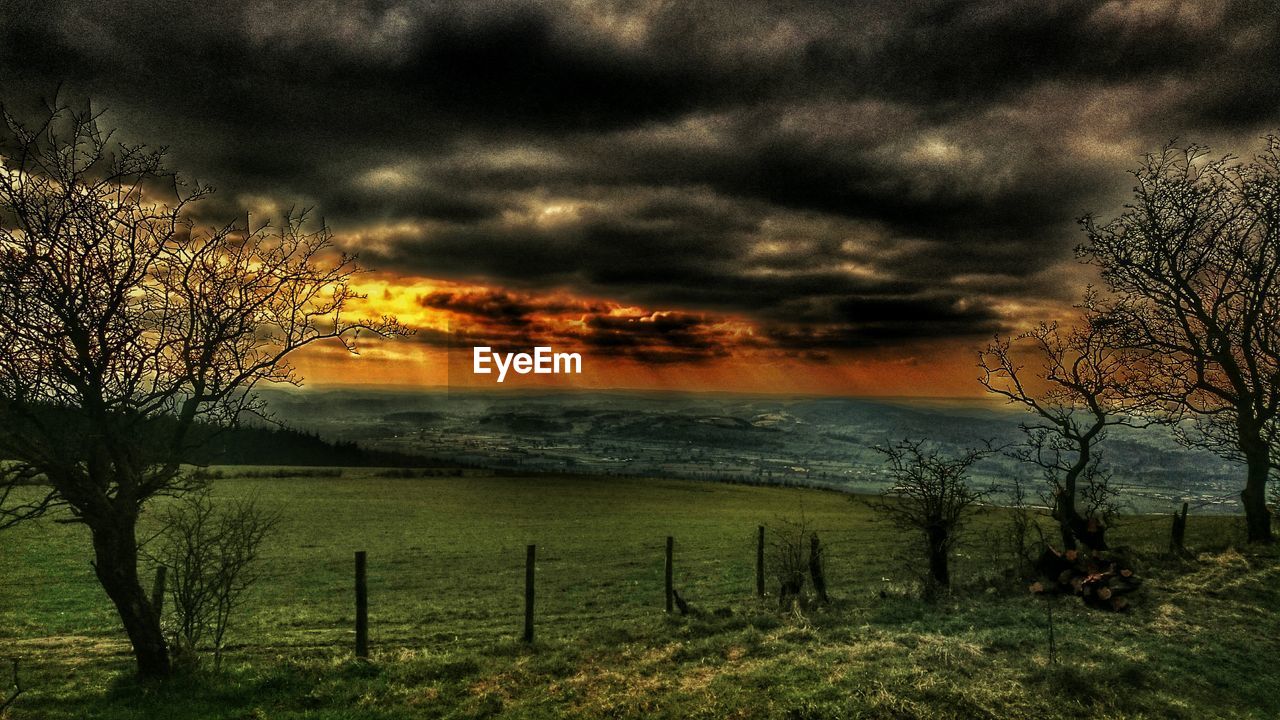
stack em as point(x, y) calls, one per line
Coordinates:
point(930, 495)
point(210, 549)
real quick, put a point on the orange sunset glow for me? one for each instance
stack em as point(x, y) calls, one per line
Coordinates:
point(622, 345)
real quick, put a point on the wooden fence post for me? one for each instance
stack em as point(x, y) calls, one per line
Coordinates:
point(760, 562)
point(157, 591)
point(671, 541)
point(530, 555)
point(817, 571)
point(362, 607)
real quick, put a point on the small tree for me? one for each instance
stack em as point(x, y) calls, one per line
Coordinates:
point(123, 326)
point(789, 543)
point(1078, 387)
point(211, 550)
point(931, 495)
point(1019, 528)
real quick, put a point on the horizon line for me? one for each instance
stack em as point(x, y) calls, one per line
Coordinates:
point(409, 388)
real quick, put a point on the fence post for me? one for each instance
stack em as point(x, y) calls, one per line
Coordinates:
point(760, 562)
point(671, 541)
point(816, 570)
point(362, 607)
point(157, 591)
point(530, 555)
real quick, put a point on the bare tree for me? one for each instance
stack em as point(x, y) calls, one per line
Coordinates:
point(123, 325)
point(1078, 387)
point(788, 543)
point(1194, 266)
point(211, 550)
point(1019, 537)
point(931, 494)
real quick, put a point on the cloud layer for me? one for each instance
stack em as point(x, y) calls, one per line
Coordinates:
point(843, 176)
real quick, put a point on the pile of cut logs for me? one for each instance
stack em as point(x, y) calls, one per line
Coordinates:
point(1098, 578)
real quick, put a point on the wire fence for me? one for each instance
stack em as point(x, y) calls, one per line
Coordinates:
point(473, 590)
point(569, 594)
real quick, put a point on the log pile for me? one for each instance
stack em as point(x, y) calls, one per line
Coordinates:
point(1099, 579)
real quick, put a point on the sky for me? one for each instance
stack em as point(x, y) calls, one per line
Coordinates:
point(790, 196)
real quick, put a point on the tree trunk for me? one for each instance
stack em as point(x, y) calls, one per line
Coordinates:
point(1064, 510)
point(938, 568)
point(1254, 497)
point(1074, 528)
point(115, 550)
point(1257, 516)
point(1177, 536)
point(1068, 537)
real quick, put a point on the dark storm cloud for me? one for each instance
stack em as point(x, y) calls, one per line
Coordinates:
point(497, 305)
point(512, 322)
point(683, 330)
point(504, 307)
point(977, 52)
point(864, 322)
point(847, 174)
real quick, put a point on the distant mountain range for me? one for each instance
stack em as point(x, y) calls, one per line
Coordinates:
point(822, 441)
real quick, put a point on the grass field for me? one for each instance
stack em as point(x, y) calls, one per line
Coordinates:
point(446, 572)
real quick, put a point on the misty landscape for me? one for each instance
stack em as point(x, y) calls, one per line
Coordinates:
point(814, 442)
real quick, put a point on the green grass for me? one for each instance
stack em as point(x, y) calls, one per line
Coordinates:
point(446, 577)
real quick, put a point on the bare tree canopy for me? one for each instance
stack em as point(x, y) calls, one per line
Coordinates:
point(1194, 266)
point(123, 324)
point(211, 550)
point(1077, 386)
point(931, 494)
